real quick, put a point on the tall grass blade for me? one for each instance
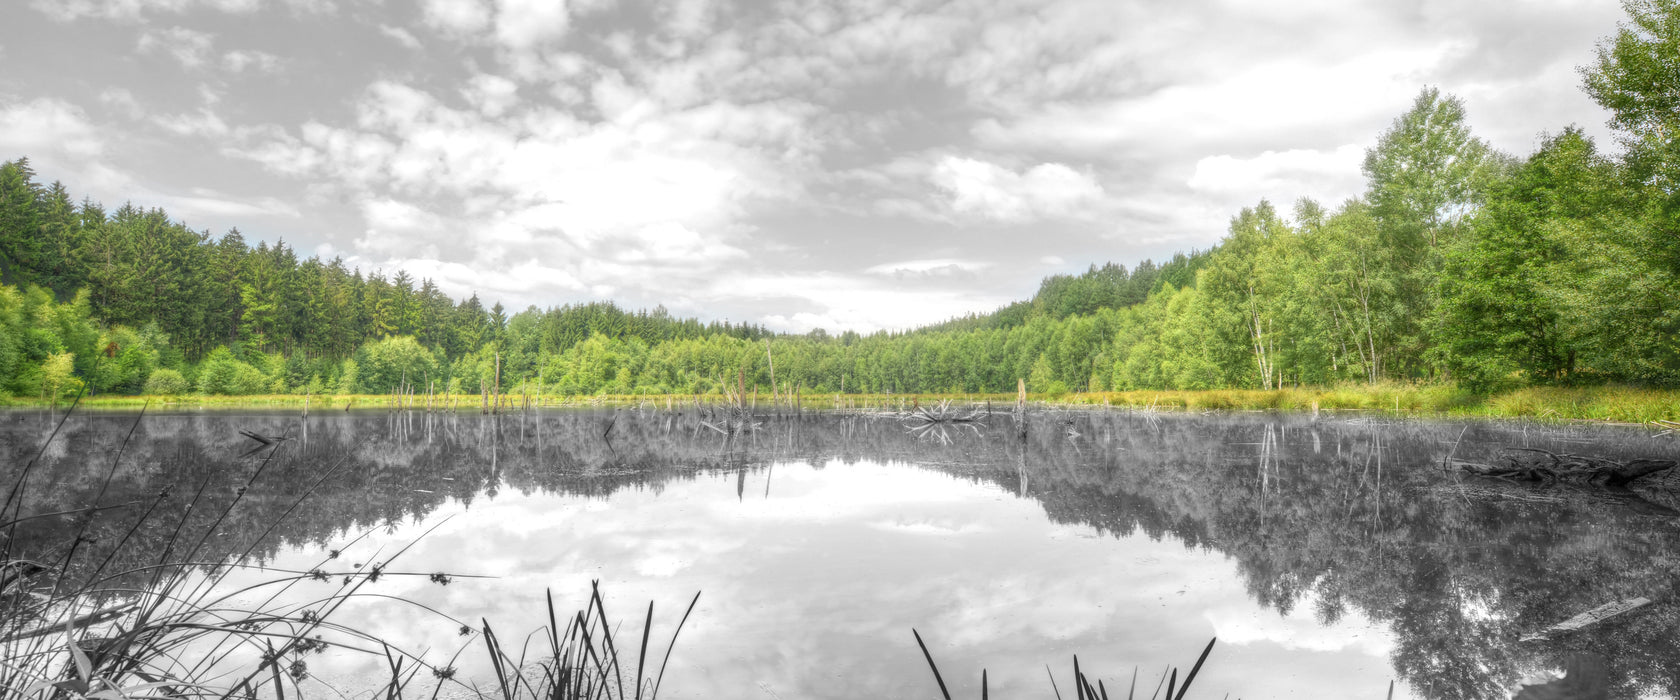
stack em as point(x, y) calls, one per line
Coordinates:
point(673, 643)
point(606, 632)
point(1053, 688)
point(274, 669)
point(496, 659)
point(641, 658)
point(1194, 669)
point(942, 690)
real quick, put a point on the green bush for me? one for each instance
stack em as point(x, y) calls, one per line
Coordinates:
point(166, 382)
point(249, 380)
point(220, 373)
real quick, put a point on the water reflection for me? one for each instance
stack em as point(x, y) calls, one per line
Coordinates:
point(1329, 556)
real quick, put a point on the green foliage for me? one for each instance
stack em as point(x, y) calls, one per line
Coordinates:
point(394, 364)
point(348, 377)
point(56, 380)
point(166, 382)
point(1500, 311)
point(221, 373)
point(1635, 78)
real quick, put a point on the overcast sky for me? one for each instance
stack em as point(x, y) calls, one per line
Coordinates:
point(796, 163)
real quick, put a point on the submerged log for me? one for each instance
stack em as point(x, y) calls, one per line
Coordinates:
point(1542, 467)
point(1589, 618)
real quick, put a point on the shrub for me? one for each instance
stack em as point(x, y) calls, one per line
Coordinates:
point(166, 382)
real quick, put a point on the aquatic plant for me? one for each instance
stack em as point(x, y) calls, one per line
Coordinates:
point(1082, 686)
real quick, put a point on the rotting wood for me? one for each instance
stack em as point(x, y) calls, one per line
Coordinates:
point(1542, 467)
point(1589, 618)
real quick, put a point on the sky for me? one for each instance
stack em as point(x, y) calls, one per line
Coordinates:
point(861, 165)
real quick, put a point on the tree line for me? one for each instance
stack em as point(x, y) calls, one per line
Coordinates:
point(1457, 264)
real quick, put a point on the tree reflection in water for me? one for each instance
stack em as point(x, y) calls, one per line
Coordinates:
point(1344, 514)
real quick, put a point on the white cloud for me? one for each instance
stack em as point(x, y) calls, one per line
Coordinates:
point(1330, 176)
point(240, 60)
point(457, 17)
point(394, 227)
point(938, 267)
point(48, 126)
point(1235, 623)
point(491, 94)
point(122, 101)
point(864, 304)
point(671, 243)
point(401, 36)
point(203, 123)
point(69, 10)
point(523, 24)
point(60, 139)
point(206, 202)
point(989, 191)
point(313, 7)
point(188, 47)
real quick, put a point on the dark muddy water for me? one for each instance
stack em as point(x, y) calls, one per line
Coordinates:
point(1329, 557)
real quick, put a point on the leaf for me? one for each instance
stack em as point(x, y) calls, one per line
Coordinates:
point(84, 665)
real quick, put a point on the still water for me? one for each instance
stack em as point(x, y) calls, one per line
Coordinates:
point(1329, 556)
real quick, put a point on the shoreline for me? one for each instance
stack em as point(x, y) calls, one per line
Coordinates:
point(1602, 404)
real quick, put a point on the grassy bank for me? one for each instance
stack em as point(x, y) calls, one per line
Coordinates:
point(1601, 403)
point(1604, 403)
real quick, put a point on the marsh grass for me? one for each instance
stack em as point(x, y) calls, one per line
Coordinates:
point(1600, 403)
point(181, 626)
point(1083, 688)
point(581, 658)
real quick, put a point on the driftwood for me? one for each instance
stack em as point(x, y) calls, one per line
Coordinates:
point(1541, 467)
point(943, 412)
point(1589, 618)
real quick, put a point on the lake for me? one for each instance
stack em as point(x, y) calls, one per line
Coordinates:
point(1328, 555)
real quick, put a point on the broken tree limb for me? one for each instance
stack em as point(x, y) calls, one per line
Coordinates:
point(1542, 467)
point(1589, 618)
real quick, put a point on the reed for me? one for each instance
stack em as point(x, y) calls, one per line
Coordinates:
point(1083, 688)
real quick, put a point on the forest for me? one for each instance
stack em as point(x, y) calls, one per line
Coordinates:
point(1458, 265)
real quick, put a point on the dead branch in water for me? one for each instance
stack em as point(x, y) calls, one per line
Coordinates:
point(1530, 465)
point(942, 412)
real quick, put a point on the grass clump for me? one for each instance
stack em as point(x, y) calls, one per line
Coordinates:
point(1082, 685)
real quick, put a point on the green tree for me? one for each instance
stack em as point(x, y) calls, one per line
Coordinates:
point(1425, 176)
point(57, 377)
point(20, 223)
point(395, 364)
point(1500, 312)
point(1637, 78)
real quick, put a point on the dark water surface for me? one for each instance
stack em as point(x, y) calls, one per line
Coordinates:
point(1328, 556)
